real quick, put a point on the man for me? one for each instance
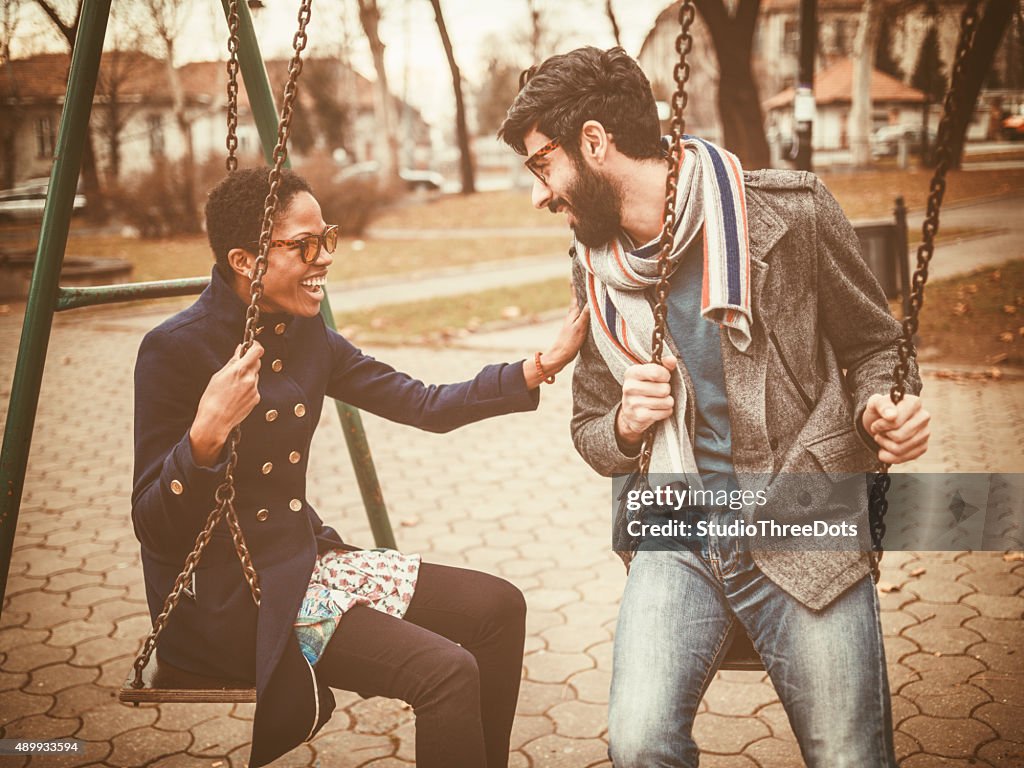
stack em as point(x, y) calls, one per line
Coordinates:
point(780, 349)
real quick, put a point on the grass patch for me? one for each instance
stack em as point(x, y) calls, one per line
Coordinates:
point(443, 319)
point(975, 319)
point(863, 195)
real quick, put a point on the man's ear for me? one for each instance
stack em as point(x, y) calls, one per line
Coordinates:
point(241, 262)
point(595, 142)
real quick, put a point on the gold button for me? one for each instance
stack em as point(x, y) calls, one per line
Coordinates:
point(280, 328)
point(271, 414)
point(300, 410)
point(295, 505)
point(276, 366)
point(294, 457)
point(265, 469)
point(177, 488)
point(262, 515)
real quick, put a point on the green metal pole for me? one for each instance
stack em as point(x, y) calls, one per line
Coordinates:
point(264, 111)
point(42, 294)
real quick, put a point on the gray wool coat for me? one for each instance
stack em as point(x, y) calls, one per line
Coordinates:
point(823, 342)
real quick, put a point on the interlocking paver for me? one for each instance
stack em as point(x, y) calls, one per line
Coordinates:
point(578, 720)
point(17, 704)
point(76, 583)
point(937, 737)
point(727, 735)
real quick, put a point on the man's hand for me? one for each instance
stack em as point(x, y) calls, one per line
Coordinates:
point(646, 399)
point(229, 397)
point(901, 431)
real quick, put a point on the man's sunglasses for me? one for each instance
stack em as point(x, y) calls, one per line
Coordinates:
point(310, 245)
point(533, 160)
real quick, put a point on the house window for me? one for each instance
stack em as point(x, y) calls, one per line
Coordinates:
point(46, 137)
point(841, 36)
point(155, 124)
point(791, 37)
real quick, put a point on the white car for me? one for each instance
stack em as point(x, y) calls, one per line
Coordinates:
point(27, 200)
point(429, 181)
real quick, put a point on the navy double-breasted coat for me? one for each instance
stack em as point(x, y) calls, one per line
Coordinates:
point(217, 629)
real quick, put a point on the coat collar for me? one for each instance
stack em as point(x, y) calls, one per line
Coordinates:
point(227, 306)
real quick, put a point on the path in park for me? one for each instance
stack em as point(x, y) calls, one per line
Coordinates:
point(508, 496)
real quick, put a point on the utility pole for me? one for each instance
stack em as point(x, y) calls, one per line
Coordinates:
point(803, 101)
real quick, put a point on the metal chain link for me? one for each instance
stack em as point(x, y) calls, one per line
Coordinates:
point(681, 75)
point(225, 493)
point(882, 482)
point(232, 139)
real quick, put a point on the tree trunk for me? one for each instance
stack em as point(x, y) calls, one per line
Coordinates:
point(96, 209)
point(188, 169)
point(994, 21)
point(610, 13)
point(461, 133)
point(859, 126)
point(739, 106)
point(369, 18)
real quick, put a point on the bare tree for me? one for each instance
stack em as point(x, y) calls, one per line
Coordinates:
point(369, 18)
point(859, 128)
point(11, 118)
point(461, 132)
point(114, 107)
point(166, 18)
point(90, 178)
point(995, 20)
point(739, 106)
point(610, 12)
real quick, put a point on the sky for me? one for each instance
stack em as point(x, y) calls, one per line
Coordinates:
point(415, 61)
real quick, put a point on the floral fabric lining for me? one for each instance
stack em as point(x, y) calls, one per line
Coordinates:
point(382, 579)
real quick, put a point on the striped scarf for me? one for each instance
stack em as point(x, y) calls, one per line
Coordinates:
point(710, 201)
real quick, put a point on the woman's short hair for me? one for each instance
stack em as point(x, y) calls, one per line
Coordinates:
point(234, 208)
point(560, 95)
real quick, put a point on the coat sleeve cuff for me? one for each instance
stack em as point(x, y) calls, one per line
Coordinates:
point(512, 383)
point(182, 477)
point(605, 452)
point(865, 436)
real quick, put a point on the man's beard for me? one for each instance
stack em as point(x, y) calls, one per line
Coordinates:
point(596, 206)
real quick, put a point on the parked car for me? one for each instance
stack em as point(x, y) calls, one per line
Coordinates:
point(1013, 128)
point(886, 140)
point(415, 180)
point(27, 200)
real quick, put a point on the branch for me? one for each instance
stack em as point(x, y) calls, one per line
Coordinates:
point(65, 30)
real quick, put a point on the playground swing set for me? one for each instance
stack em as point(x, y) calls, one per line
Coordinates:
point(150, 680)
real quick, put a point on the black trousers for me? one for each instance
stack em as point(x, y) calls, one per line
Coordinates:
point(456, 658)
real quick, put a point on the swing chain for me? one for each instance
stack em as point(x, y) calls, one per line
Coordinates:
point(232, 139)
point(929, 229)
point(681, 75)
point(225, 493)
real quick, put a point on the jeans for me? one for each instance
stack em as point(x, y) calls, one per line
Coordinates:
point(456, 657)
point(679, 611)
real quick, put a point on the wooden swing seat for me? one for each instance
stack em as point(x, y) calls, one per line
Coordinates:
point(741, 656)
point(164, 683)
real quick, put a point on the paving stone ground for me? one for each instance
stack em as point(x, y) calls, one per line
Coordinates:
point(510, 497)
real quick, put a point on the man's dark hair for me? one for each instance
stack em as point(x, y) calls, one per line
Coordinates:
point(561, 94)
point(234, 208)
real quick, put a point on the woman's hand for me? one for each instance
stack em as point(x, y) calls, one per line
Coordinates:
point(229, 397)
point(563, 349)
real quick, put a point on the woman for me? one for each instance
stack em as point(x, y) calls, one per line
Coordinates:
point(449, 641)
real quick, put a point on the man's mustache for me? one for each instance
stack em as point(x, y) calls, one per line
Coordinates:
point(557, 203)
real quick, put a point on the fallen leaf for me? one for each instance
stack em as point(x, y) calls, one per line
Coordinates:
point(1014, 557)
point(918, 572)
point(1002, 357)
point(1009, 309)
point(885, 587)
point(995, 373)
point(1007, 337)
point(511, 312)
point(938, 653)
point(410, 522)
point(961, 308)
point(972, 288)
point(996, 276)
